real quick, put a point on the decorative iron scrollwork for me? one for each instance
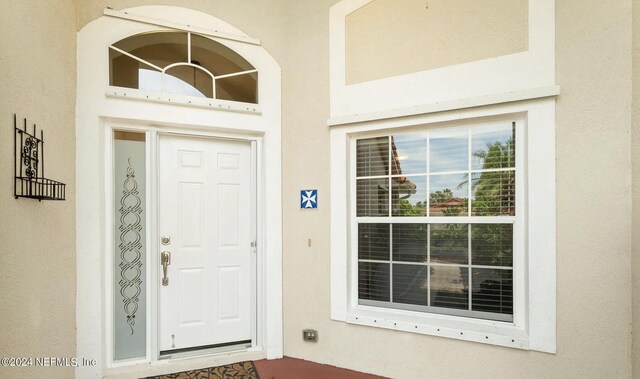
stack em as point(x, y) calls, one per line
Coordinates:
point(29, 167)
point(30, 157)
point(130, 246)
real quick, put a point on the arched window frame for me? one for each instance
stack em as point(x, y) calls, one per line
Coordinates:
point(167, 97)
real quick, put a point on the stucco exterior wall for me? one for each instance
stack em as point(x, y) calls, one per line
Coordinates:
point(593, 250)
point(37, 260)
point(593, 153)
point(305, 144)
point(635, 159)
point(385, 39)
point(594, 189)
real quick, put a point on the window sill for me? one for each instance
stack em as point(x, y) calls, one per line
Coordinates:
point(165, 98)
point(461, 328)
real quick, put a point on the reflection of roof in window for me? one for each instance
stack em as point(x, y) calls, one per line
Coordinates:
point(454, 202)
point(405, 185)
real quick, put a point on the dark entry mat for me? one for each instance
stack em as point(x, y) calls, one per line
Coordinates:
point(242, 370)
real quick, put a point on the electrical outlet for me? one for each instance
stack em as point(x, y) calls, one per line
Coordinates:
point(310, 335)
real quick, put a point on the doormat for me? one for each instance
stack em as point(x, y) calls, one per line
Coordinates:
point(242, 370)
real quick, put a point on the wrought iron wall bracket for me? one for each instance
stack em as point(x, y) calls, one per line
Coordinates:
point(28, 158)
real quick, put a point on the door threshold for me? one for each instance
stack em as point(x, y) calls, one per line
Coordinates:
point(198, 359)
point(205, 350)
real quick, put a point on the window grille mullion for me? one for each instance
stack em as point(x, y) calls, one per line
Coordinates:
point(390, 214)
point(469, 207)
point(391, 263)
point(469, 175)
point(231, 75)
point(469, 276)
point(189, 60)
point(135, 58)
point(429, 264)
point(390, 189)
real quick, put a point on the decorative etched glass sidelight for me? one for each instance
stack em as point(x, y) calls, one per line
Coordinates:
point(129, 192)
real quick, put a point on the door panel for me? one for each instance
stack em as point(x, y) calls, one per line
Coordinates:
point(205, 202)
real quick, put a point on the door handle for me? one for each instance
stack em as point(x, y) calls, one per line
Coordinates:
point(165, 260)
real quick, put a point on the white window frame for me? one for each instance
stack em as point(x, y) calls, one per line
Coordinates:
point(163, 94)
point(517, 220)
point(534, 254)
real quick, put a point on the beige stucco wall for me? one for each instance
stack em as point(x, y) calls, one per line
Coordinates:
point(635, 143)
point(593, 248)
point(388, 38)
point(37, 260)
point(593, 155)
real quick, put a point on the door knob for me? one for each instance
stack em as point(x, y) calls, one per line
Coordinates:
point(165, 260)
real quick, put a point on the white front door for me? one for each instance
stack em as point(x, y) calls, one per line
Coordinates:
point(205, 212)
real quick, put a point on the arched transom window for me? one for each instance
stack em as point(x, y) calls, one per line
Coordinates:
point(182, 63)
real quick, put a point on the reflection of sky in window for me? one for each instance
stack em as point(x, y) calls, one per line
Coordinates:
point(412, 152)
point(450, 181)
point(151, 80)
point(448, 150)
point(483, 137)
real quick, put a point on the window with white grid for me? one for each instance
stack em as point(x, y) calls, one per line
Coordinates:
point(437, 219)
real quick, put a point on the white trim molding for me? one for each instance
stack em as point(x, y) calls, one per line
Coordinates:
point(524, 71)
point(100, 108)
point(510, 97)
point(189, 101)
point(534, 323)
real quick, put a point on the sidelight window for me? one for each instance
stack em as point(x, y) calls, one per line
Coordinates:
point(129, 265)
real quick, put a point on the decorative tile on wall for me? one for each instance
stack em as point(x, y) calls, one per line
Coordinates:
point(309, 199)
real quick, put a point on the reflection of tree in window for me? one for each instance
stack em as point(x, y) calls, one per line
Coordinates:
point(495, 190)
point(449, 243)
point(492, 244)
